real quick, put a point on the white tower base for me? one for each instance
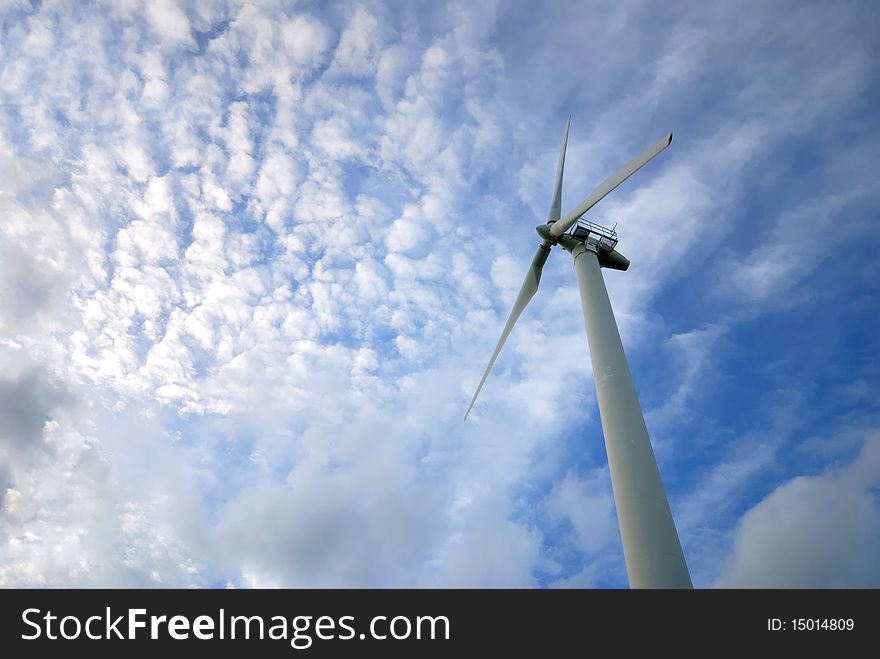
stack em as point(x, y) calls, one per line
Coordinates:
point(651, 547)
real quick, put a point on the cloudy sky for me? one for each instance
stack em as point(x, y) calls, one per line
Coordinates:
point(254, 257)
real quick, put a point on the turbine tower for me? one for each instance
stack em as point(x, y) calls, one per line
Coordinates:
point(651, 547)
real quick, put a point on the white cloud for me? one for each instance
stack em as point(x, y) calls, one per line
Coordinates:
point(818, 531)
point(169, 21)
point(359, 45)
point(306, 39)
point(694, 349)
point(407, 232)
point(588, 506)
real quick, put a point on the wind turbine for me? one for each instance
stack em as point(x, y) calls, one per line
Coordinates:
point(651, 547)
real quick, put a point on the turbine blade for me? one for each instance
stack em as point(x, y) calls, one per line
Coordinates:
point(618, 177)
point(556, 202)
point(526, 293)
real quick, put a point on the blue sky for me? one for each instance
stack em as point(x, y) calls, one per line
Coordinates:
point(254, 257)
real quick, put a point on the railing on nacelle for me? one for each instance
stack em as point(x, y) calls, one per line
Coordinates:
point(603, 237)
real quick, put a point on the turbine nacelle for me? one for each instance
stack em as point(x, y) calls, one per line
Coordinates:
point(597, 238)
point(613, 260)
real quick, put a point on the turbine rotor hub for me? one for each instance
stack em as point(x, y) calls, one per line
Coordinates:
point(544, 231)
